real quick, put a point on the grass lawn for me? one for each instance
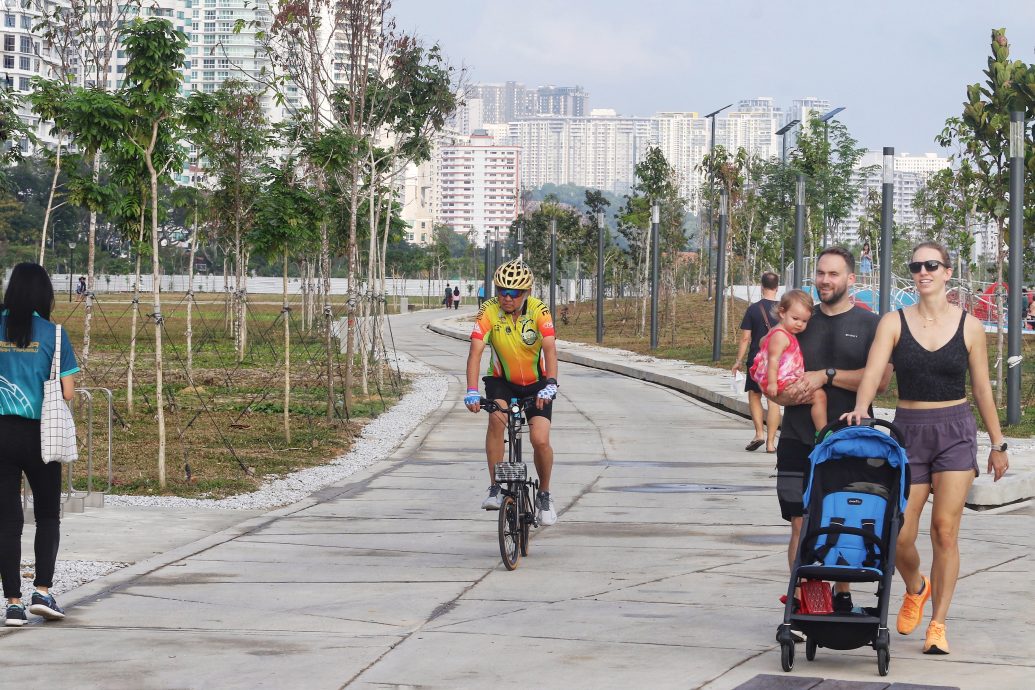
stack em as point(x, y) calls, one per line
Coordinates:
point(224, 428)
point(689, 337)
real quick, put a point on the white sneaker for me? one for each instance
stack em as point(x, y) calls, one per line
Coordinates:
point(547, 515)
point(494, 499)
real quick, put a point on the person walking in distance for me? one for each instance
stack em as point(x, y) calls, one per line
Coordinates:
point(456, 297)
point(27, 339)
point(448, 299)
point(522, 344)
point(758, 319)
point(834, 349)
point(933, 344)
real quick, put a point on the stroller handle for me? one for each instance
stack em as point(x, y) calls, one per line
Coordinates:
point(871, 422)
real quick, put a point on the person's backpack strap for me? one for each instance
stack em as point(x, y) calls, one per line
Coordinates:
point(765, 315)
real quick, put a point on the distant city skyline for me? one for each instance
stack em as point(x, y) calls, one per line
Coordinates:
point(900, 69)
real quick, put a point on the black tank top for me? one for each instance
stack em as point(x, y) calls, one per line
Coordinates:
point(930, 376)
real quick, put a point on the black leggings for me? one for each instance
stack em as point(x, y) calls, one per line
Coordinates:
point(20, 452)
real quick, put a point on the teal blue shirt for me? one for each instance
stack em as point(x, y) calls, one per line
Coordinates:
point(23, 370)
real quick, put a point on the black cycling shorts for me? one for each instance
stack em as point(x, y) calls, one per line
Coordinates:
point(497, 388)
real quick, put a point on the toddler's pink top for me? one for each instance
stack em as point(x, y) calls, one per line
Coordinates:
point(792, 364)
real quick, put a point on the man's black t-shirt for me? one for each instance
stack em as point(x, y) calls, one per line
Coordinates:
point(842, 342)
point(758, 318)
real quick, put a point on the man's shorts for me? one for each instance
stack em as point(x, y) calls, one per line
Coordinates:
point(750, 385)
point(792, 474)
point(497, 388)
point(939, 440)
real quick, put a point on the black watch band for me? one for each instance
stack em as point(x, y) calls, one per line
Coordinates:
point(831, 373)
point(553, 381)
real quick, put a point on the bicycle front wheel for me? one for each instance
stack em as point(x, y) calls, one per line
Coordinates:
point(510, 532)
point(527, 511)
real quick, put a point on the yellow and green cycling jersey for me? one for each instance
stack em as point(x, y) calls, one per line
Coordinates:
point(515, 345)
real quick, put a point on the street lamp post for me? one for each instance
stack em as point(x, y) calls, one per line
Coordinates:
point(711, 182)
point(655, 229)
point(71, 267)
point(1016, 313)
point(720, 279)
point(600, 277)
point(799, 231)
point(825, 118)
point(488, 270)
point(553, 265)
point(782, 133)
point(887, 215)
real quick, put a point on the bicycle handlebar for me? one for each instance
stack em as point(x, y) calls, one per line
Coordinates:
point(522, 405)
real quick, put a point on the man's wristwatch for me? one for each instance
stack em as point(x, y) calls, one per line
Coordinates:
point(831, 373)
point(553, 381)
point(1001, 447)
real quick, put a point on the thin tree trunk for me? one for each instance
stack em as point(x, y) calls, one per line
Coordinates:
point(325, 267)
point(50, 199)
point(156, 292)
point(190, 297)
point(133, 321)
point(91, 254)
point(287, 355)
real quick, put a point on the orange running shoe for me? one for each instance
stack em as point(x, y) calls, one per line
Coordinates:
point(912, 611)
point(936, 642)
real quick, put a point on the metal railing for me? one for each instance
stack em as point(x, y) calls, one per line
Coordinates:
point(83, 409)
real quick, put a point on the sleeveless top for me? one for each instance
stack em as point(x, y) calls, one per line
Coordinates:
point(930, 376)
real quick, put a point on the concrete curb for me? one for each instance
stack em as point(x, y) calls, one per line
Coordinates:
point(710, 386)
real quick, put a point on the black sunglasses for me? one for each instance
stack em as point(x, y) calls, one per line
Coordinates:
point(931, 265)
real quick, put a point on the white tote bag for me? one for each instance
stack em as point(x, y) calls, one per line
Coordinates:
point(57, 430)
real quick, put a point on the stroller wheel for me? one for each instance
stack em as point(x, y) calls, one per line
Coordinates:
point(810, 650)
point(787, 655)
point(883, 661)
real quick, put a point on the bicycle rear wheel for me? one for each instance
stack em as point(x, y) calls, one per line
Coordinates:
point(510, 532)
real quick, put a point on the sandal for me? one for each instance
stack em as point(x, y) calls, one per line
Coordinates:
point(754, 445)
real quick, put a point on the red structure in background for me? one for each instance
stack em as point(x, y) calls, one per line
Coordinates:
point(984, 307)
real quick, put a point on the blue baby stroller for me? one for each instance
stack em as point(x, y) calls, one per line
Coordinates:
point(857, 489)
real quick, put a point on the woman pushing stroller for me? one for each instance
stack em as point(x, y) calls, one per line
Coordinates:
point(932, 346)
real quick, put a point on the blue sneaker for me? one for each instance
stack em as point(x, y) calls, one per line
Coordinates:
point(16, 615)
point(45, 605)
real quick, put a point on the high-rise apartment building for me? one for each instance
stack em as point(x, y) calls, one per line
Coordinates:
point(599, 151)
point(572, 101)
point(685, 139)
point(911, 174)
point(477, 186)
point(489, 104)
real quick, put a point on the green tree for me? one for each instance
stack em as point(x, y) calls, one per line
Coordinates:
point(155, 53)
point(985, 139)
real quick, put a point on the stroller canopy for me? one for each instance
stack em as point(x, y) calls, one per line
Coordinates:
point(861, 442)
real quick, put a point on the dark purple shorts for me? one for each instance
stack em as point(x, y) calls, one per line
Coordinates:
point(939, 440)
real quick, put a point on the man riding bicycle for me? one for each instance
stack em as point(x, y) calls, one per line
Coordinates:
point(522, 363)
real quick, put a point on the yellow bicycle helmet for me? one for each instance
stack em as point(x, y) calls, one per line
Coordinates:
point(513, 274)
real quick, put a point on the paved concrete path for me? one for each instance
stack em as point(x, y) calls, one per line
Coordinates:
point(663, 572)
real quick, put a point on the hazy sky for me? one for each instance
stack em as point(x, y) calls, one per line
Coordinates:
point(900, 67)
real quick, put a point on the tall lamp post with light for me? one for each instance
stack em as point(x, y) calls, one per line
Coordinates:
point(782, 133)
point(711, 204)
point(825, 118)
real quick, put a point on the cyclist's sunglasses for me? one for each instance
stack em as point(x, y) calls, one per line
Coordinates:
point(512, 293)
point(931, 265)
